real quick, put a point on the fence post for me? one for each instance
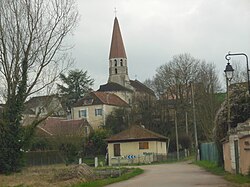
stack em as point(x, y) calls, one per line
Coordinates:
point(96, 162)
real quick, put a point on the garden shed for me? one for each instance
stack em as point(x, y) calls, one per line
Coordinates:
point(136, 145)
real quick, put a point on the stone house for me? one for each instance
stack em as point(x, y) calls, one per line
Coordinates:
point(95, 106)
point(136, 145)
point(236, 149)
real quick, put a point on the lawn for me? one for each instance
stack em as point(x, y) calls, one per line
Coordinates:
point(213, 168)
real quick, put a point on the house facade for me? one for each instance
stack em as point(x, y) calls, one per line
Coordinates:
point(95, 106)
point(136, 145)
point(236, 149)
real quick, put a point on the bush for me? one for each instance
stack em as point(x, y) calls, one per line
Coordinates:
point(69, 152)
point(95, 144)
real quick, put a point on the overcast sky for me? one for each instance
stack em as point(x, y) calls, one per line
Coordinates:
point(155, 30)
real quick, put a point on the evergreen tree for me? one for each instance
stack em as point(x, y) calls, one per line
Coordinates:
point(74, 86)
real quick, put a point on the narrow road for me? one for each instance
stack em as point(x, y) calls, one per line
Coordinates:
point(180, 174)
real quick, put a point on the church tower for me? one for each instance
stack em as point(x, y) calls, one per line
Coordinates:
point(118, 69)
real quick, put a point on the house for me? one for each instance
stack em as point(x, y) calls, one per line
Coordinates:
point(43, 105)
point(236, 149)
point(95, 106)
point(136, 144)
point(54, 127)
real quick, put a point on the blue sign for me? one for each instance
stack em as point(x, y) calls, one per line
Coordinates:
point(131, 156)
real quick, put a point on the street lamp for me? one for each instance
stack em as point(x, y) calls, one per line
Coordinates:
point(239, 54)
point(229, 71)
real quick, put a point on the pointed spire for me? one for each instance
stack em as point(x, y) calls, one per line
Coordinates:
point(117, 49)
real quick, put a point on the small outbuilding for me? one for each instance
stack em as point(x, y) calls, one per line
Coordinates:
point(136, 145)
point(236, 149)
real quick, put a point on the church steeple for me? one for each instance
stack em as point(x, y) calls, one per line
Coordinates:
point(117, 49)
point(118, 70)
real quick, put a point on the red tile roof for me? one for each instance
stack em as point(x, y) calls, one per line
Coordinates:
point(61, 127)
point(117, 49)
point(101, 98)
point(136, 133)
point(110, 99)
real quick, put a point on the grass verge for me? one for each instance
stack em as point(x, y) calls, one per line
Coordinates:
point(103, 182)
point(213, 168)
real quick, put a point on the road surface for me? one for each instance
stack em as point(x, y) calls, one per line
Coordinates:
point(180, 174)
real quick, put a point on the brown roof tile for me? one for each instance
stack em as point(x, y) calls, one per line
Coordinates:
point(61, 127)
point(97, 98)
point(117, 49)
point(135, 133)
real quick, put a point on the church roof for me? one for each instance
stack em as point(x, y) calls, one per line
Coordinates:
point(136, 133)
point(117, 49)
point(111, 86)
point(140, 87)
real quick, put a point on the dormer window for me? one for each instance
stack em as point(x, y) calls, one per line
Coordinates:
point(88, 101)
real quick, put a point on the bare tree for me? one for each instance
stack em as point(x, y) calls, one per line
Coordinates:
point(31, 46)
point(240, 74)
point(172, 84)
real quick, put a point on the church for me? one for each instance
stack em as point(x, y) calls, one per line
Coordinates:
point(118, 92)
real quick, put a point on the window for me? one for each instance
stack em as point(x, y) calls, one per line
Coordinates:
point(115, 62)
point(143, 145)
point(83, 113)
point(115, 71)
point(117, 150)
point(98, 112)
point(121, 62)
point(88, 101)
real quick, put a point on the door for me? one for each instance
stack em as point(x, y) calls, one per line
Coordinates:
point(236, 152)
point(117, 150)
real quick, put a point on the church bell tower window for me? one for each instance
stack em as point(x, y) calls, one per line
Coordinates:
point(121, 62)
point(115, 63)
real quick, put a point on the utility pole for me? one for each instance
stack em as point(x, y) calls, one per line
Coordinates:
point(195, 126)
point(176, 135)
point(228, 107)
point(186, 118)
